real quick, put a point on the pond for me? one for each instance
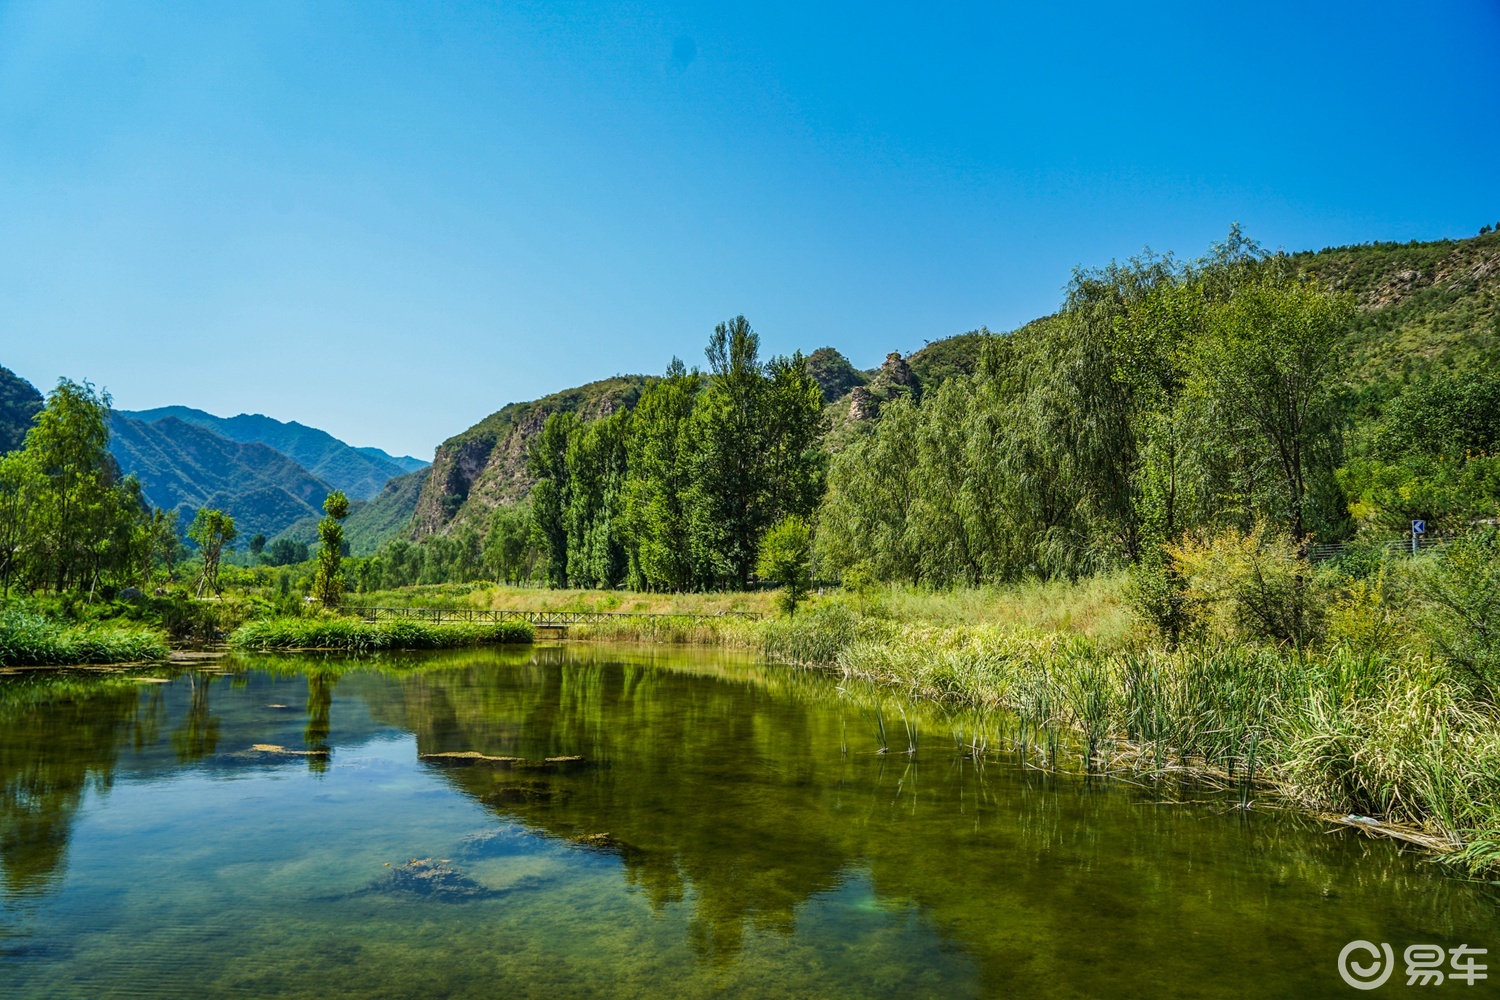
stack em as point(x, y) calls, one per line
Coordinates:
point(707, 825)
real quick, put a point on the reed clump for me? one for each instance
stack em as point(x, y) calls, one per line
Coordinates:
point(358, 636)
point(28, 638)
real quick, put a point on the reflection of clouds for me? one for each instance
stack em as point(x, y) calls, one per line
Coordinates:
point(684, 51)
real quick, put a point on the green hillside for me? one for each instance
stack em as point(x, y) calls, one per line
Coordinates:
point(182, 466)
point(359, 472)
point(371, 522)
point(19, 402)
point(476, 471)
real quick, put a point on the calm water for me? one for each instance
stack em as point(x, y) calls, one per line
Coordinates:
point(717, 839)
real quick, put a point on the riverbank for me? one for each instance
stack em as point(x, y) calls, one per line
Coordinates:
point(355, 635)
point(1384, 737)
point(31, 639)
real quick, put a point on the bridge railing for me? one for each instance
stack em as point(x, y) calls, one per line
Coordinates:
point(543, 618)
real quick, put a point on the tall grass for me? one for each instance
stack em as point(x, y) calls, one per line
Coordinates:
point(354, 635)
point(1391, 737)
point(31, 639)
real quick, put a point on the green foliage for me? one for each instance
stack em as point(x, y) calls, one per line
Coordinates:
point(658, 477)
point(328, 585)
point(66, 522)
point(1164, 398)
point(785, 558)
point(511, 552)
point(833, 373)
point(1462, 591)
point(354, 635)
point(284, 552)
point(31, 639)
point(213, 531)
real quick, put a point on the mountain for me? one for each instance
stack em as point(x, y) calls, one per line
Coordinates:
point(184, 466)
point(371, 522)
point(485, 466)
point(19, 402)
point(359, 472)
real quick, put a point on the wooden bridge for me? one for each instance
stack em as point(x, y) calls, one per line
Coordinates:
point(540, 619)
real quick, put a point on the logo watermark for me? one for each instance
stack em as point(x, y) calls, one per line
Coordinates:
point(1368, 966)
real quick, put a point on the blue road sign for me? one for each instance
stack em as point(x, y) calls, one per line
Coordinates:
point(1419, 527)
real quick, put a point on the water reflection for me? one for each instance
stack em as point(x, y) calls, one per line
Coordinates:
point(749, 801)
point(57, 741)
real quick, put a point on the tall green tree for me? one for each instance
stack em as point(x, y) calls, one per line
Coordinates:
point(659, 472)
point(328, 585)
point(596, 472)
point(725, 511)
point(1273, 359)
point(551, 494)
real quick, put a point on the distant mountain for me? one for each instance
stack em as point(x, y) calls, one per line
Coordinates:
point(19, 402)
point(371, 523)
point(184, 466)
point(359, 472)
point(406, 462)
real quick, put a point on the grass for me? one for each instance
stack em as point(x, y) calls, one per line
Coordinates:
point(31, 639)
point(354, 635)
point(500, 597)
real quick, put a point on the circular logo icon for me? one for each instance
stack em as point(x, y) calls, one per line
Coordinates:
point(1366, 977)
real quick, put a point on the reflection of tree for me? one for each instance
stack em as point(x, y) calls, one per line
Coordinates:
point(732, 799)
point(319, 720)
point(667, 756)
point(50, 754)
point(198, 737)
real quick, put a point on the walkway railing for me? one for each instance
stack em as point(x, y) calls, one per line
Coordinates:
point(541, 618)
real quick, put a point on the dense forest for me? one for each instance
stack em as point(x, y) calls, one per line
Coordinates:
point(1165, 400)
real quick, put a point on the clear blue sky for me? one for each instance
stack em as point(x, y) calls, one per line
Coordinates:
point(387, 220)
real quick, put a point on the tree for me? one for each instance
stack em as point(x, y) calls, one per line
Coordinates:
point(1273, 358)
point(547, 461)
point(285, 551)
point(785, 555)
point(20, 482)
point(596, 461)
point(510, 549)
point(75, 499)
point(727, 434)
point(328, 585)
point(659, 472)
point(213, 531)
point(257, 546)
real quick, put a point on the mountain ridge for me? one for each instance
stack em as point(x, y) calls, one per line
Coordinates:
point(360, 472)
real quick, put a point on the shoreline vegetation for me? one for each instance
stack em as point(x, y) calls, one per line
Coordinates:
point(28, 638)
point(357, 636)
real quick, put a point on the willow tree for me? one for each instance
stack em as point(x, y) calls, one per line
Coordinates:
point(328, 585)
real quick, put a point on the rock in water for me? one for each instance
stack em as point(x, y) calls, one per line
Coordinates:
point(434, 879)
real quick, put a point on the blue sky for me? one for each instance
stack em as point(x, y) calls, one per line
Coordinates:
point(388, 220)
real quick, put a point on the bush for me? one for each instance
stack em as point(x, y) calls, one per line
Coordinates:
point(1256, 585)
